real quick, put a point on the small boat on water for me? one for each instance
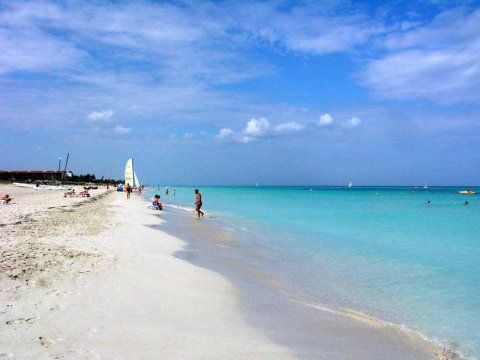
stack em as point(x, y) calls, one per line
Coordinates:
point(467, 192)
point(349, 184)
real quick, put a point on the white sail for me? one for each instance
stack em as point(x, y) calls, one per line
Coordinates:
point(129, 173)
point(136, 181)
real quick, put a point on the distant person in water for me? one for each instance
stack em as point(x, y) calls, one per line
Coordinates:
point(166, 191)
point(198, 203)
point(129, 190)
point(140, 189)
point(429, 202)
point(174, 191)
point(465, 203)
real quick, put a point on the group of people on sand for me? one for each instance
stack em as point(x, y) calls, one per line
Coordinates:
point(129, 189)
point(73, 193)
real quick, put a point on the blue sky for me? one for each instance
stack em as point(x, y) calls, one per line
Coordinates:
point(236, 92)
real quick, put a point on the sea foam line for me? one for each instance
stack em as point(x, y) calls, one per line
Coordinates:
point(442, 351)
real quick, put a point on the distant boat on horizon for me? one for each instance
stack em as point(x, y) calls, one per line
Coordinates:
point(349, 184)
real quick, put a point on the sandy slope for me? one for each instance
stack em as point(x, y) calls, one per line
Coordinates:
point(84, 282)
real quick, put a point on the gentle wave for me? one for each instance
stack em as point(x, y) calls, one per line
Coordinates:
point(179, 207)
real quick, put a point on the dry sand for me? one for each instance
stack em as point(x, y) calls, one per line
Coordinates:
point(98, 281)
point(97, 278)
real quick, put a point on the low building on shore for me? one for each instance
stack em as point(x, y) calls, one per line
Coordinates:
point(31, 175)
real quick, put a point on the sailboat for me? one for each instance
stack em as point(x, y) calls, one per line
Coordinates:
point(130, 175)
point(349, 184)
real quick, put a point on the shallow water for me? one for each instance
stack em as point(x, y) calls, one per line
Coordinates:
point(384, 251)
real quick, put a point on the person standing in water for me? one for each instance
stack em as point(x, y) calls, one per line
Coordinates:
point(198, 203)
point(129, 190)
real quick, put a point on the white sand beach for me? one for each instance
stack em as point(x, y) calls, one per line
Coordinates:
point(97, 279)
point(111, 289)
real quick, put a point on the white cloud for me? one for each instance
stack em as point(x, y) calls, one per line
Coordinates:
point(312, 28)
point(325, 120)
point(122, 130)
point(439, 61)
point(225, 133)
point(352, 123)
point(256, 128)
point(105, 115)
point(288, 127)
point(245, 139)
point(259, 128)
point(188, 136)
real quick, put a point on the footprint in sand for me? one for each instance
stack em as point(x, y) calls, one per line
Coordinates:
point(92, 355)
point(7, 356)
point(20, 321)
point(55, 308)
point(92, 332)
point(46, 342)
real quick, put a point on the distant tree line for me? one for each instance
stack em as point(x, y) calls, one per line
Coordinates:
point(90, 178)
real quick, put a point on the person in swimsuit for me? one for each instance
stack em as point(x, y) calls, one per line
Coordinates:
point(156, 202)
point(129, 190)
point(198, 203)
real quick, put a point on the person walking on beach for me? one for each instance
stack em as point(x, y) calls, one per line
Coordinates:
point(129, 190)
point(198, 203)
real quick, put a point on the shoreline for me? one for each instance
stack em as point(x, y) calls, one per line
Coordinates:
point(435, 348)
point(136, 300)
point(99, 277)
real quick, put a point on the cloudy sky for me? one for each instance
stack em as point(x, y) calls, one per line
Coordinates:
point(236, 92)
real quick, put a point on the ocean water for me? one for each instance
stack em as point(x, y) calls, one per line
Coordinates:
point(380, 250)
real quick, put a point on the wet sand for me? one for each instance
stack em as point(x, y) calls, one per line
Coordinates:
point(311, 330)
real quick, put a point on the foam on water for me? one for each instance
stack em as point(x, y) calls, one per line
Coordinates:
point(381, 251)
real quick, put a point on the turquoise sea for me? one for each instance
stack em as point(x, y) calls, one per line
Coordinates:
point(381, 250)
